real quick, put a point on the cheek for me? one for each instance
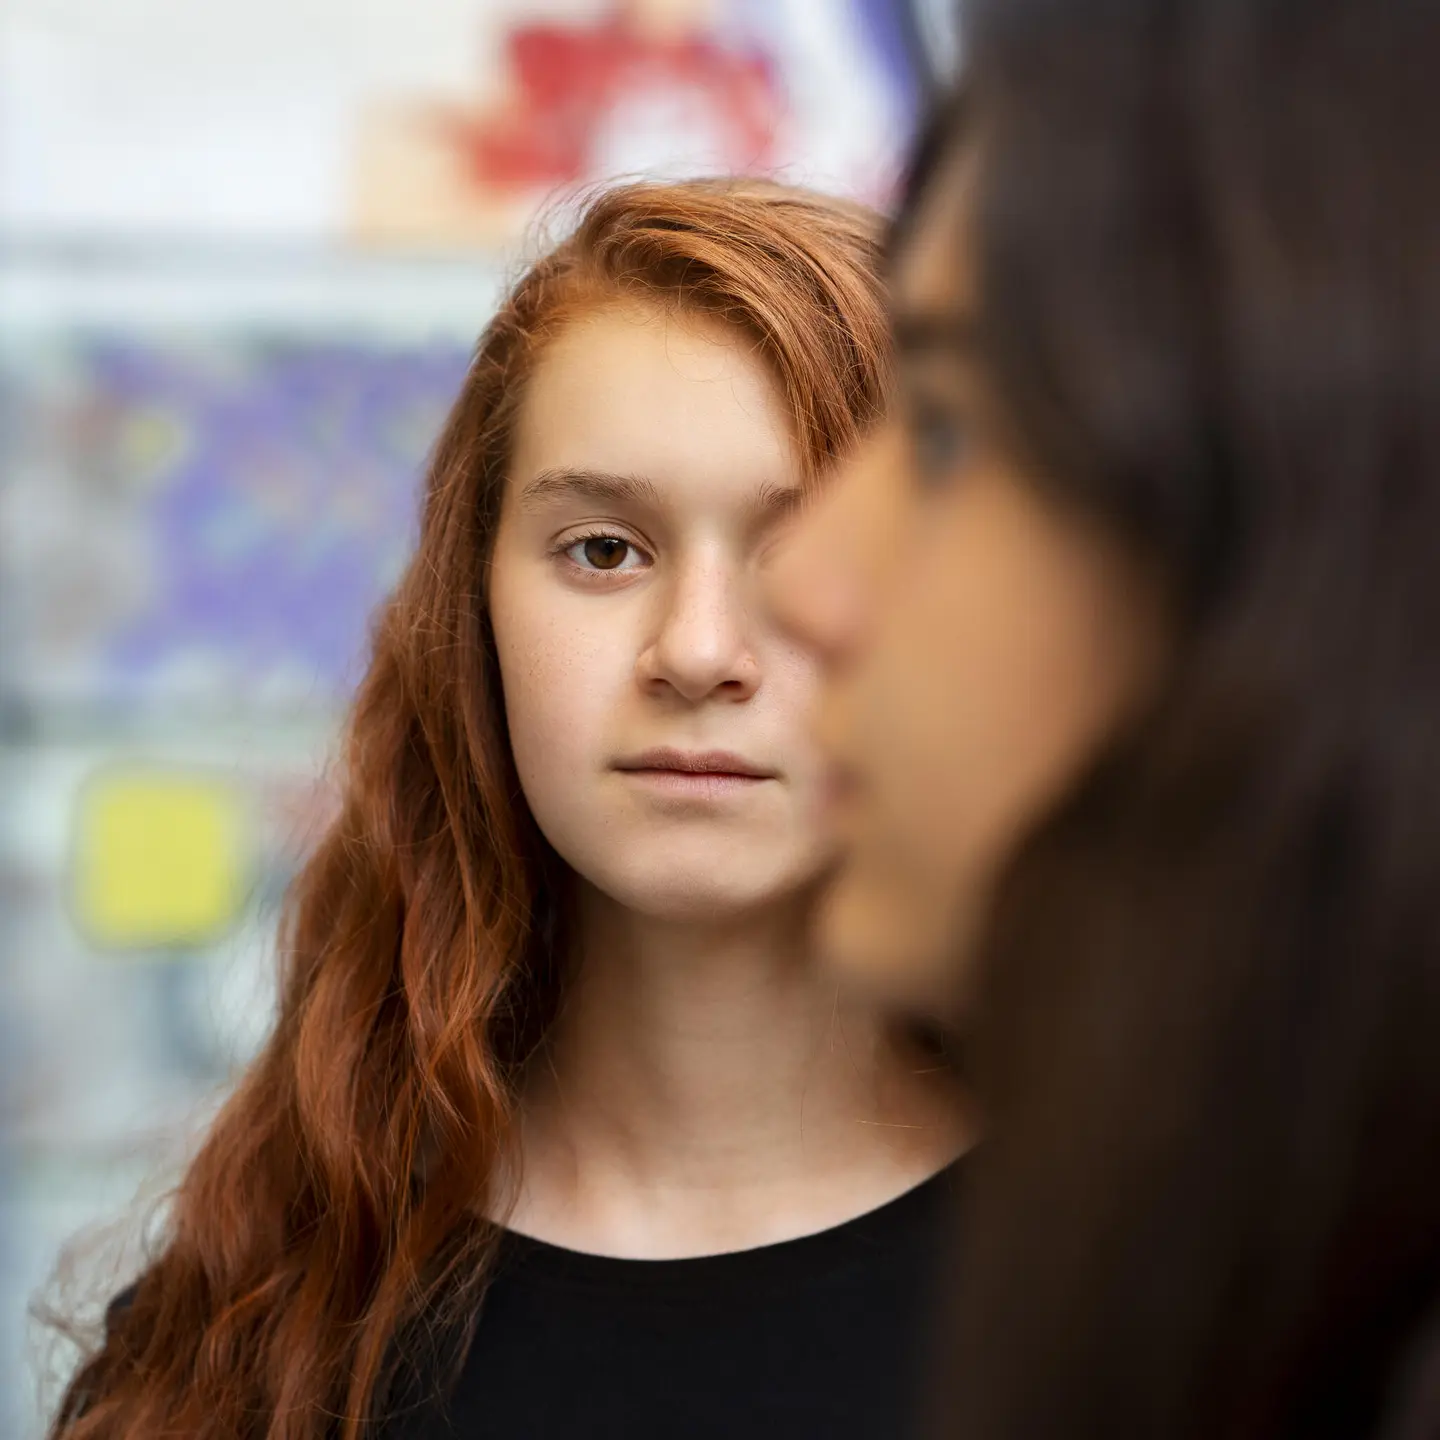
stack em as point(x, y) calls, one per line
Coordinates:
point(910, 695)
point(560, 682)
point(1002, 656)
point(788, 712)
point(998, 703)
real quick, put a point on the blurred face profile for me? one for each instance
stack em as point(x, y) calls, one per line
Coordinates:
point(656, 713)
point(978, 644)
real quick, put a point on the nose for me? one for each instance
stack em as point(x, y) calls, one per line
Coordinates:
point(822, 581)
point(702, 645)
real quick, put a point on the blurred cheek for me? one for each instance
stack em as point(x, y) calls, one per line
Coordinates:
point(891, 921)
point(1004, 653)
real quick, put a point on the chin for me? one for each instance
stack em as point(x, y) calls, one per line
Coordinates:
point(707, 891)
point(701, 908)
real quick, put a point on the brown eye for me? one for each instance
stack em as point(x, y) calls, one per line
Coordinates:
point(605, 552)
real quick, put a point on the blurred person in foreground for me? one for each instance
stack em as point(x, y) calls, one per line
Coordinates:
point(557, 1133)
point(1131, 621)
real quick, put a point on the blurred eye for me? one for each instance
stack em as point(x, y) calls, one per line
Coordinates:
point(604, 552)
point(938, 442)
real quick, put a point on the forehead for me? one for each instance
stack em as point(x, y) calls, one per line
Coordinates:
point(682, 400)
point(934, 265)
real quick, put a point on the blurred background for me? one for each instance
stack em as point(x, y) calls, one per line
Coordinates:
point(245, 248)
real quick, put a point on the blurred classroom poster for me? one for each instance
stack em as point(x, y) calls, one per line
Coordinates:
point(245, 251)
point(194, 533)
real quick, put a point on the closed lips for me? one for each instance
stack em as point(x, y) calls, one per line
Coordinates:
point(708, 762)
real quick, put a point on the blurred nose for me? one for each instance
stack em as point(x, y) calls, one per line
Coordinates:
point(822, 582)
point(702, 646)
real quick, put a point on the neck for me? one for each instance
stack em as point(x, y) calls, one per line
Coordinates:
point(704, 1089)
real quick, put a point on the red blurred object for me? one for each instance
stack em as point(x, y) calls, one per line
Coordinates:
point(570, 78)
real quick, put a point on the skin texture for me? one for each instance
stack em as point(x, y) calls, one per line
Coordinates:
point(978, 643)
point(667, 647)
point(703, 1089)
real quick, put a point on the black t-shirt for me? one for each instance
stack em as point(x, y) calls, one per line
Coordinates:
point(820, 1338)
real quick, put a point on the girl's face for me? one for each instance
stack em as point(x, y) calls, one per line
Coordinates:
point(657, 716)
point(979, 645)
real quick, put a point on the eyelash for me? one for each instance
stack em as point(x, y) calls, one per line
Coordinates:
point(571, 542)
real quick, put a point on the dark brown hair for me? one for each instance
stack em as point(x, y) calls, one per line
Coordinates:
point(328, 1235)
point(1208, 1041)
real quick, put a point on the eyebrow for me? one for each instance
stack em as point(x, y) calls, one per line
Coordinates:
point(777, 501)
point(609, 488)
point(604, 486)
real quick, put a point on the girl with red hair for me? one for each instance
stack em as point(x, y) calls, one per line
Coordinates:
point(557, 1133)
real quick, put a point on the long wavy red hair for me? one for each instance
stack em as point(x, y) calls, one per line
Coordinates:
point(329, 1235)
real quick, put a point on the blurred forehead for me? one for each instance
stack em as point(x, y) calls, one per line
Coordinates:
point(934, 269)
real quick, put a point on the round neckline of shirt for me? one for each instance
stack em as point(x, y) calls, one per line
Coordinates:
point(820, 1252)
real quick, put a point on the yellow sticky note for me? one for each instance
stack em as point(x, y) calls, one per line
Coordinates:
point(160, 858)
